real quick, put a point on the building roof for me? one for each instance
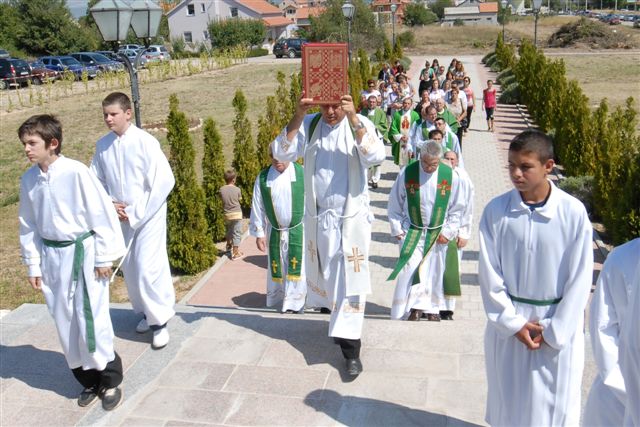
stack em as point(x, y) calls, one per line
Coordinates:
point(388, 2)
point(461, 10)
point(277, 21)
point(488, 7)
point(306, 12)
point(260, 6)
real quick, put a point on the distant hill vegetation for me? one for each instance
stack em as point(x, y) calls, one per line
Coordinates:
point(591, 34)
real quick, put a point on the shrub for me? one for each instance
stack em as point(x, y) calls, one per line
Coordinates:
point(508, 81)
point(189, 243)
point(236, 32)
point(407, 38)
point(580, 187)
point(504, 74)
point(488, 56)
point(417, 14)
point(510, 94)
point(458, 23)
point(244, 151)
point(213, 179)
point(258, 51)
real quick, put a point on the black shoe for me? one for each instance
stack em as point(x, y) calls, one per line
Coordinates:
point(354, 367)
point(374, 185)
point(88, 396)
point(111, 398)
point(446, 315)
point(325, 310)
point(414, 315)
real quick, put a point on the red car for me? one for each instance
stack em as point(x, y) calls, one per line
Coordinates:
point(40, 74)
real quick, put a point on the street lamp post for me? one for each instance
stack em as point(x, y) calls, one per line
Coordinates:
point(393, 8)
point(504, 15)
point(113, 18)
point(536, 11)
point(348, 10)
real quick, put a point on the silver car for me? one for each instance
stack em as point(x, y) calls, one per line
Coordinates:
point(157, 52)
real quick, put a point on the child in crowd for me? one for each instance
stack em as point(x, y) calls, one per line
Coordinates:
point(489, 103)
point(69, 237)
point(231, 197)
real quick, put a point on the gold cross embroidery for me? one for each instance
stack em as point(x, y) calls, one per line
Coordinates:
point(294, 261)
point(355, 259)
point(312, 251)
point(274, 266)
point(444, 187)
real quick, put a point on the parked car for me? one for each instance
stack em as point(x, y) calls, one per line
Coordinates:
point(131, 54)
point(109, 54)
point(131, 46)
point(69, 63)
point(157, 53)
point(288, 47)
point(13, 72)
point(41, 74)
point(103, 63)
point(4, 54)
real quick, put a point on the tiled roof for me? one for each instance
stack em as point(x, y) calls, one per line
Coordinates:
point(260, 6)
point(306, 12)
point(277, 21)
point(488, 7)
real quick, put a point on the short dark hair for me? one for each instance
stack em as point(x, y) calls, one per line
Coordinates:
point(46, 126)
point(434, 132)
point(117, 98)
point(533, 141)
point(229, 175)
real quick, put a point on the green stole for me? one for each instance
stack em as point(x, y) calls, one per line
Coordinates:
point(295, 227)
point(447, 144)
point(451, 278)
point(78, 263)
point(412, 185)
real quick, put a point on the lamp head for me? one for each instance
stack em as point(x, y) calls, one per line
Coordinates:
point(348, 10)
point(394, 7)
point(146, 18)
point(113, 18)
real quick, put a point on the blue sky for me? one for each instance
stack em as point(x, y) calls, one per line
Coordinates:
point(78, 8)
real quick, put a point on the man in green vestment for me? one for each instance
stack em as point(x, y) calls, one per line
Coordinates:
point(399, 132)
point(447, 115)
point(425, 212)
point(379, 119)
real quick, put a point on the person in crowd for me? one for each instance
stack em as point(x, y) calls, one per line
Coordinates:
point(277, 211)
point(425, 211)
point(338, 146)
point(607, 316)
point(471, 101)
point(535, 272)
point(489, 103)
point(400, 131)
point(457, 108)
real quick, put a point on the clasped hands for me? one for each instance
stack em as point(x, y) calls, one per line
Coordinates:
point(531, 335)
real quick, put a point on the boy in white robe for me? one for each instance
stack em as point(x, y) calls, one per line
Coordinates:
point(426, 295)
point(464, 232)
point(337, 153)
point(536, 266)
point(281, 286)
point(69, 236)
point(607, 316)
point(630, 351)
point(136, 174)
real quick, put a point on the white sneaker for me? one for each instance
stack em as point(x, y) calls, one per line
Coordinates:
point(160, 338)
point(143, 326)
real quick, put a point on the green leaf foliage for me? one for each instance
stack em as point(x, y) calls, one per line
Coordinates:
point(213, 179)
point(417, 14)
point(236, 32)
point(438, 7)
point(190, 246)
point(244, 151)
point(331, 25)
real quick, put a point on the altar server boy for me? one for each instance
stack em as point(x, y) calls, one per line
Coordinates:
point(536, 266)
point(69, 236)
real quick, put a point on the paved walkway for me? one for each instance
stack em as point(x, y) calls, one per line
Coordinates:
point(232, 362)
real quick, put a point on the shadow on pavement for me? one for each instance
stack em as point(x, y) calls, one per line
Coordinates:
point(250, 300)
point(361, 411)
point(39, 369)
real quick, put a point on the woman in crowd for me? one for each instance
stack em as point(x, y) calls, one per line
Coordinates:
point(435, 92)
point(456, 107)
point(459, 75)
point(471, 100)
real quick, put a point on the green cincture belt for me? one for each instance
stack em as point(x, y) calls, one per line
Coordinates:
point(538, 302)
point(443, 191)
point(295, 227)
point(78, 262)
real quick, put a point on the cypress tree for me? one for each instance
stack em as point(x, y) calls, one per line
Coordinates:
point(244, 151)
point(388, 51)
point(283, 99)
point(269, 126)
point(397, 49)
point(295, 90)
point(213, 179)
point(364, 65)
point(190, 247)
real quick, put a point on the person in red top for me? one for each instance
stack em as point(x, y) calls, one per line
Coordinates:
point(489, 103)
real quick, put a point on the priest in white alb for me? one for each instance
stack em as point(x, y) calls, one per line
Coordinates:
point(425, 210)
point(630, 350)
point(607, 315)
point(338, 146)
point(277, 211)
